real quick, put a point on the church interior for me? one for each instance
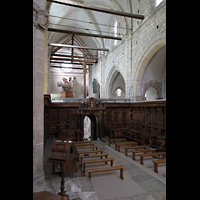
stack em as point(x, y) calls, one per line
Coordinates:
point(99, 99)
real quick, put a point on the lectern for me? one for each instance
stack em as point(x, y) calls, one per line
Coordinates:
point(64, 152)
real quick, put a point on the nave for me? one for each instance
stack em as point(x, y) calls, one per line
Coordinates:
point(140, 181)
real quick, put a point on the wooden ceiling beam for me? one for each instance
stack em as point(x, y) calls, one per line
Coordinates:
point(77, 47)
point(68, 67)
point(84, 34)
point(70, 63)
point(77, 60)
point(103, 10)
point(69, 56)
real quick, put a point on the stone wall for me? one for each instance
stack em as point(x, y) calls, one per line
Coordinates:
point(131, 56)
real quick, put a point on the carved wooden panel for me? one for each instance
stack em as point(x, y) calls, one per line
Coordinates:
point(72, 115)
point(142, 121)
point(125, 114)
point(53, 116)
point(117, 114)
point(109, 115)
point(63, 116)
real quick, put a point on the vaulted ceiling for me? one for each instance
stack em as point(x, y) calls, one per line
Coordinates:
point(87, 21)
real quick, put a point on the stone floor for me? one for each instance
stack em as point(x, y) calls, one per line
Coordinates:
point(140, 181)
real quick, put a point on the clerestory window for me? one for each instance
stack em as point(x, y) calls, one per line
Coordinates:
point(115, 31)
point(158, 2)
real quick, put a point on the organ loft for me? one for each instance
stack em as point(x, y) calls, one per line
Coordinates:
point(99, 99)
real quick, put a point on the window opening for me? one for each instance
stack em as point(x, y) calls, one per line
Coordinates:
point(119, 92)
point(158, 2)
point(115, 31)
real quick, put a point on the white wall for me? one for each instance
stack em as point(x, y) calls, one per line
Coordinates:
point(54, 77)
point(132, 55)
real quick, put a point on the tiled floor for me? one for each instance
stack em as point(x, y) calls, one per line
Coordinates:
point(140, 181)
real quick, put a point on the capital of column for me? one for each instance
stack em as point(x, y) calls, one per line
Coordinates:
point(40, 17)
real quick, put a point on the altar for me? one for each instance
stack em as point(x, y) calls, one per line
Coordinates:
point(67, 94)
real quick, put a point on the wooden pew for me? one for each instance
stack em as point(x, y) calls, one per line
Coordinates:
point(118, 145)
point(142, 151)
point(84, 162)
point(104, 169)
point(156, 162)
point(84, 144)
point(93, 156)
point(134, 147)
point(162, 153)
point(90, 151)
point(117, 139)
point(81, 142)
point(87, 147)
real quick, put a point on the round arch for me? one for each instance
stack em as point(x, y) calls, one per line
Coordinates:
point(156, 85)
point(142, 65)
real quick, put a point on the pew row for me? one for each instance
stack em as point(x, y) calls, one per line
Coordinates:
point(118, 145)
point(115, 140)
point(162, 153)
point(84, 162)
point(104, 169)
point(90, 151)
point(156, 162)
point(142, 151)
point(134, 147)
point(93, 156)
point(87, 147)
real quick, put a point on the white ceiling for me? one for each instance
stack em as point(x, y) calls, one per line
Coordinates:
point(89, 16)
point(98, 20)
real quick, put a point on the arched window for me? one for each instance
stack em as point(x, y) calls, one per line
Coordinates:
point(115, 31)
point(158, 2)
point(119, 92)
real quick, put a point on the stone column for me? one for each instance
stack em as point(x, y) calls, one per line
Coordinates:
point(40, 20)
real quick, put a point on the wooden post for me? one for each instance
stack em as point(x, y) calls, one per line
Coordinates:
point(72, 48)
point(84, 71)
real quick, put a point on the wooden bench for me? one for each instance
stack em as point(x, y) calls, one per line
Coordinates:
point(104, 169)
point(117, 139)
point(156, 162)
point(93, 156)
point(162, 153)
point(134, 147)
point(84, 162)
point(81, 142)
point(90, 151)
point(88, 147)
point(118, 145)
point(142, 151)
point(87, 144)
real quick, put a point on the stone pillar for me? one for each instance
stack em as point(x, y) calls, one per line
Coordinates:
point(40, 19)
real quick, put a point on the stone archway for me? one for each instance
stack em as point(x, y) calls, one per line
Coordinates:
point(154, 84)
point(94, 125)
point(141, 67)
point(110, 80)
